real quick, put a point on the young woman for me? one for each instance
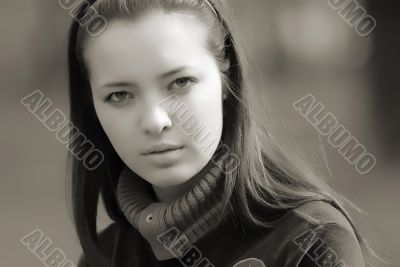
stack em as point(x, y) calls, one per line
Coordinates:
point(190, 175)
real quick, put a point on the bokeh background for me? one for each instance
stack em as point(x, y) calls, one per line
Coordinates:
point(297, 47)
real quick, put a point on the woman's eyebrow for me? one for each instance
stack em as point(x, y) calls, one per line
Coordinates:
point(118, 84)
point(172, 72)
point(133, 84)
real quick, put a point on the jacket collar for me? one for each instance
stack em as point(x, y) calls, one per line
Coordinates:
point(192, 215)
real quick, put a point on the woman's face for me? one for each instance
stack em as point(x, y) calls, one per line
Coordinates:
point(136, 65)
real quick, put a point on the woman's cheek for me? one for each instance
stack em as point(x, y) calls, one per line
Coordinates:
point(115, 125)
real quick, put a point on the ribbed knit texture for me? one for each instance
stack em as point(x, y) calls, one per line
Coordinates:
point(194, 214)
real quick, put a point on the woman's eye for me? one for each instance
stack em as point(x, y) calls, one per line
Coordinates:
point(117, 97)
point(182, 82)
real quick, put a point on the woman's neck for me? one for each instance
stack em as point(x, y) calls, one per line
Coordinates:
point(171, 193)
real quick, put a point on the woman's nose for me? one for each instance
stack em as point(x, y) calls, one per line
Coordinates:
point(155, 119)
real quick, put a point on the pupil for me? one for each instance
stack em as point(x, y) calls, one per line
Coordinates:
point(181, 82)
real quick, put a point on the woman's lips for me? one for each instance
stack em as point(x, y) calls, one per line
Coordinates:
point(165, 151)
point(161, 147)
point(166, 157)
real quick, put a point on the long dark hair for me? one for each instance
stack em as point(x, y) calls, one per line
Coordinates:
point(266, 175)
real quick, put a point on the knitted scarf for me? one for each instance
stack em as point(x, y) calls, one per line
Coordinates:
point(193, 214)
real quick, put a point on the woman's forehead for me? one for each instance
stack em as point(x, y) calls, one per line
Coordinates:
point(154, 44)
point(155, 31)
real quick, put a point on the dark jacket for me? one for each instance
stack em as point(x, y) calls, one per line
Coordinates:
point(315, 234)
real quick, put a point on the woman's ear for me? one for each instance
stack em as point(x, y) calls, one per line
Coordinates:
point(224, 97)
point(224, 92)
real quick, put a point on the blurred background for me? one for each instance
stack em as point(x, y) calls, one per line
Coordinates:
point(296, 47)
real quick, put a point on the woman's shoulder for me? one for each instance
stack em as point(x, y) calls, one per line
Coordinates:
point(319, 212)
point(319, 233)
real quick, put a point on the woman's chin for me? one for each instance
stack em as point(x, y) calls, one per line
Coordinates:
point(168, 178)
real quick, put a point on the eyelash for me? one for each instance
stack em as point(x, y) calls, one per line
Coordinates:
point(188, 79)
